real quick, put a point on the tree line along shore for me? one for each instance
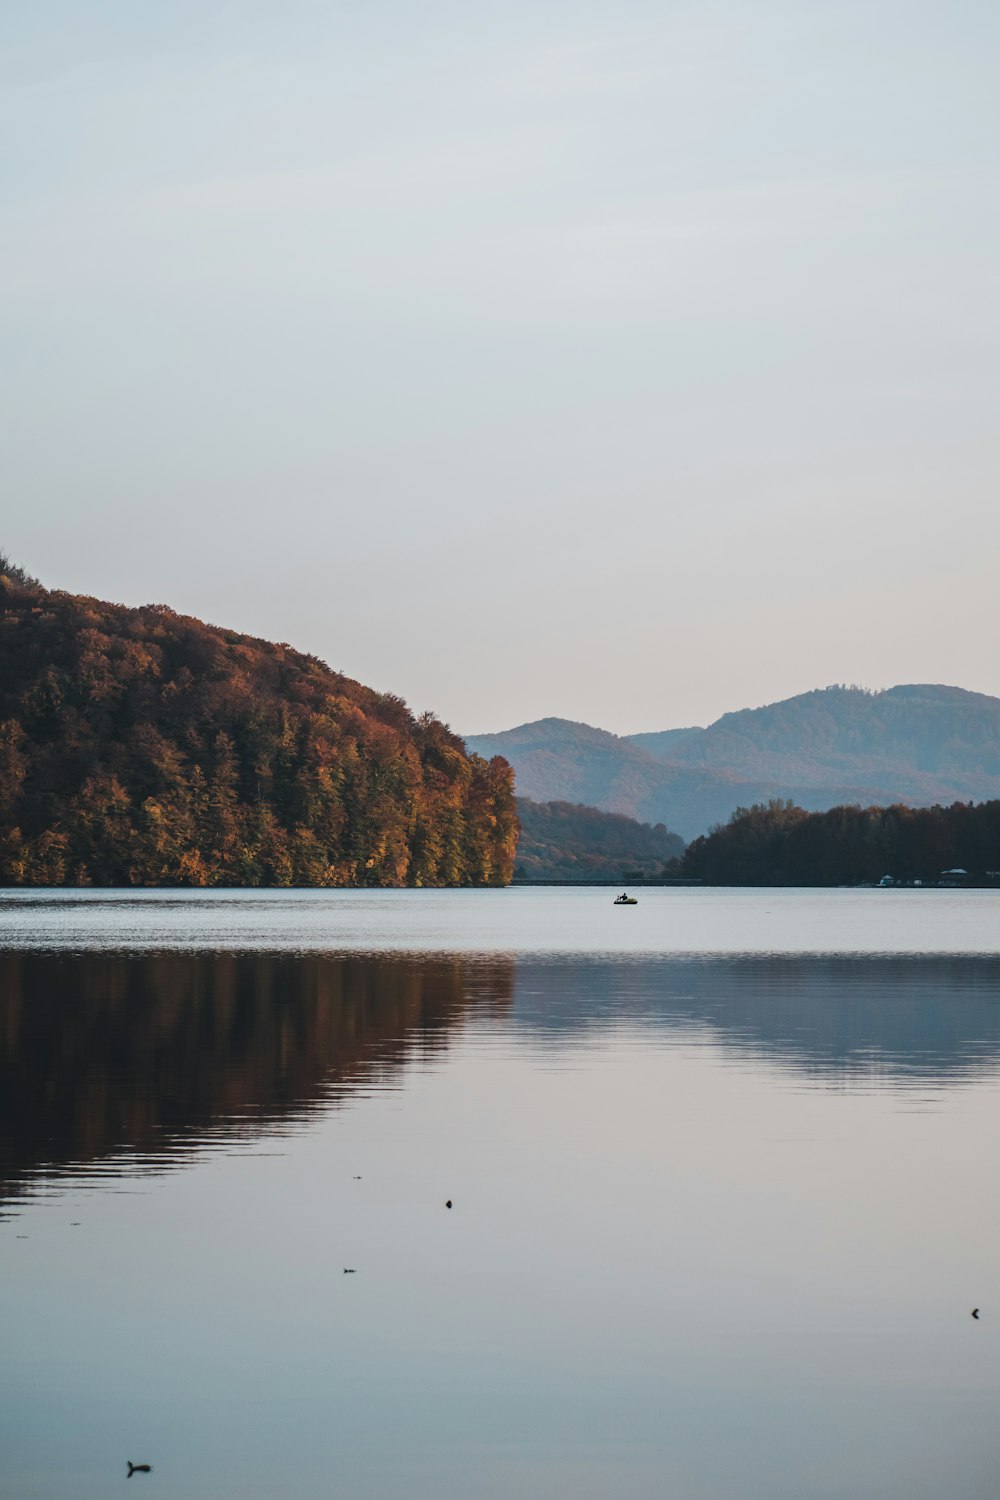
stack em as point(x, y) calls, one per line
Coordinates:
point(778, 843)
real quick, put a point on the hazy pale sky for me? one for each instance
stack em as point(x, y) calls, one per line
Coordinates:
point(629, 362)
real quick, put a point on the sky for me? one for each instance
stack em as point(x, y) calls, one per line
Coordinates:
point(625, 362)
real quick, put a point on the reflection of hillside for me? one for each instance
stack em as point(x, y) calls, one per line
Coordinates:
point(923, 1017)
point(102, 1054)
point(105, 1053)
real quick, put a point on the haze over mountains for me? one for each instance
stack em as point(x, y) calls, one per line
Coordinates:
point(918, 743)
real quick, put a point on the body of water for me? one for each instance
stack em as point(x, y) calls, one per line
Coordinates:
point(721, 1172)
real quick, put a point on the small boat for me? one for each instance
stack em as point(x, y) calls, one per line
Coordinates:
point(624, 900)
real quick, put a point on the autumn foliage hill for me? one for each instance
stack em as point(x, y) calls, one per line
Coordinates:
point(142, 747)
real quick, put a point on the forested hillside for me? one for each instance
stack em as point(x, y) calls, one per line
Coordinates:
point(565, 841)
point(780, 844)
point(140, 747)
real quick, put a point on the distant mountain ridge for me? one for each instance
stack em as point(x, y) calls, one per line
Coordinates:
point(915, 743)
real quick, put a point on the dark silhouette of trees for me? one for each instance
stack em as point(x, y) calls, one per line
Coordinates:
point(779, 844)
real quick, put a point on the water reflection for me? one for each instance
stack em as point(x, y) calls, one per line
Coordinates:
point(102, 1054)
point(133, 1061)
point(706, 1238)
point(834, 1018)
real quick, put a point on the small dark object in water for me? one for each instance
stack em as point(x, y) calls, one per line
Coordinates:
point(975, 1313)
point(349, 1271)
point(138, 1468)
point(357, 1179)
point(74, 1223)
point(448, 1204)
point(22, 1236)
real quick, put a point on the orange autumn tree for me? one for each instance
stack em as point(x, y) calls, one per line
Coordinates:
point(142, 747)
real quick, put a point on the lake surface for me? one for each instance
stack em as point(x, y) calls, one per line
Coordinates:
point(722, 1168)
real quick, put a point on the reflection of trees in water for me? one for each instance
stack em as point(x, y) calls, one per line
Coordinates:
point(101, 1054)
point(921, 1017)
point(105, 1053)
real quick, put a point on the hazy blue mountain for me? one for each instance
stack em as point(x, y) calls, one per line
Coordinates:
point(555, 760)
point(664, 742)
point(943, 733)
point(918, 744)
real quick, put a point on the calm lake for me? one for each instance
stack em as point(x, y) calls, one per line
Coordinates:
point(722, 1165)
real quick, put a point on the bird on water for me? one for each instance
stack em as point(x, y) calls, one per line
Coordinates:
point(975, 1313)
point(448, 1204)
point(138, 1468)
point(349, 1271)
